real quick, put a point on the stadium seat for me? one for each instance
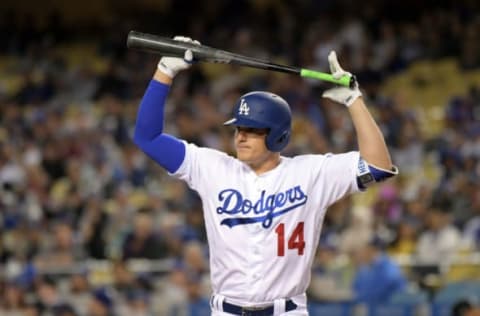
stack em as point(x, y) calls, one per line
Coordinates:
point(452, 293)
point(391, 310)
point(200, 307)
point(404, 303)
point(331, 309)
point(410, 297)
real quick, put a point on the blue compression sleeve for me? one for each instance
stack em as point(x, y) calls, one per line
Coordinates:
point(165, 149)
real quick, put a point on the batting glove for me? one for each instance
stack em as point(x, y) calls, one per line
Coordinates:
point(343, 95)
point(172, 65)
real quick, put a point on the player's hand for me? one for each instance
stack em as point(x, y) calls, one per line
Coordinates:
point(343, 95)
point(170, 66)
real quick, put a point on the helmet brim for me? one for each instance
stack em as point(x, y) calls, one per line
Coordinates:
point(245, 123)
point(230, 121)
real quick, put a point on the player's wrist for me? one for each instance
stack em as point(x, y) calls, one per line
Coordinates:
point(162, 77)
point(352, 97)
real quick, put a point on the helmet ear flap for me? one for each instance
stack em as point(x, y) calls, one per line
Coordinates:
point(283, 137)
point(277, 142)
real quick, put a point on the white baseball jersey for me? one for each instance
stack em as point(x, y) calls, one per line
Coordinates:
point(263, 230)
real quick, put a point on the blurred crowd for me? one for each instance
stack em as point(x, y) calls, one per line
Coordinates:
point(74, 189)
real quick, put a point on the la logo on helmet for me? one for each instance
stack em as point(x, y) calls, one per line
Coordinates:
point(243, 109)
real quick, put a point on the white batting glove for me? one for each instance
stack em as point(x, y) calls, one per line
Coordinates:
point(172, 65)
point(343, 95)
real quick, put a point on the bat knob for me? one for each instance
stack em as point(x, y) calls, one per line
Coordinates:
point(353, 82)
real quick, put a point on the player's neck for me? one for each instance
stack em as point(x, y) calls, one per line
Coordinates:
point(270, 163)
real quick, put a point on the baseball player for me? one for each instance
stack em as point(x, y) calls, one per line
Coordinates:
point(263, 211)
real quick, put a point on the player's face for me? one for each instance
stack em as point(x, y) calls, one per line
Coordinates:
point(250, 146)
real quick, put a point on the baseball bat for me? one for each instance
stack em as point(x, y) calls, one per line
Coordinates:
point(169, 47)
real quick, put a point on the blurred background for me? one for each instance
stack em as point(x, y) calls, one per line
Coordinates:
point(90, 226)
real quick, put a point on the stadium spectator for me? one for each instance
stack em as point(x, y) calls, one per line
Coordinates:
point(332, 274)
point(378, 277)
point(143, 241)
point(101, 303)
point(441, 240)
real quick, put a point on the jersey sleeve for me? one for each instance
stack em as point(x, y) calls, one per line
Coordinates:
point(200, 164)
point(336, 176)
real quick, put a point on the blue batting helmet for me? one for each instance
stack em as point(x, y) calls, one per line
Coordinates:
point(260, 109)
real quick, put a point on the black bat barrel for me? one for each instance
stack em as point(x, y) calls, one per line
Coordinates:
point(168, 47)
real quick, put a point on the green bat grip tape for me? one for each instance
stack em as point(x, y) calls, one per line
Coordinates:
point(347, 81)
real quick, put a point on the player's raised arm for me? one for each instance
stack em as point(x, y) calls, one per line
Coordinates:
point(166, 150)
point(371, 142)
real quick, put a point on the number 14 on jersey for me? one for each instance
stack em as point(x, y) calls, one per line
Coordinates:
point(295, 241)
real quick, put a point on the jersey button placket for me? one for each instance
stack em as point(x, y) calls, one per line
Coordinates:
point(257, 233)
point(258, 184)
point(257, 258)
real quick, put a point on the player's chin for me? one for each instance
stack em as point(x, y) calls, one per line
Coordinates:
point(243, 154)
